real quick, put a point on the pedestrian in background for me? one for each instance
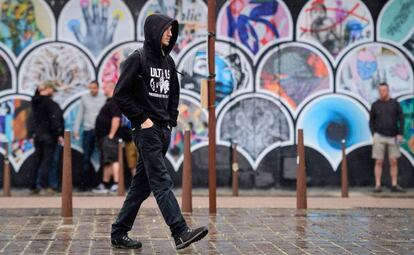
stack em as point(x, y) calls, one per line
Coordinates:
point(90, 105)
point(386, 123)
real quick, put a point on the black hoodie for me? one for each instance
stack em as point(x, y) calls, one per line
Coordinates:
point(148, 85)
point(46, 118)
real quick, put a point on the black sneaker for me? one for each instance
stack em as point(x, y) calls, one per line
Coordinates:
point(190, 236)
point(125, 242)
point(397, 189)
point(377, 190)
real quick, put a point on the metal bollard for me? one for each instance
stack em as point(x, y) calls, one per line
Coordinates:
point(67, 177)
point(301, 197)
point(235, 172)
point(344, 172)
point(121, 178)
point(187, 196)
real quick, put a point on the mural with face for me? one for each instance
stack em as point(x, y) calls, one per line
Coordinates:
point(366, 66)
point(335, 25)
point(233, 71)
point(14, 114)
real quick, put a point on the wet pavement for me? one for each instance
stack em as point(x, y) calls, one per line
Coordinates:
point(232, 231)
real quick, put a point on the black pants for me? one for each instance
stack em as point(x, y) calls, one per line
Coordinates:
point(44, 150)
point(152, 175)
point(88, 145)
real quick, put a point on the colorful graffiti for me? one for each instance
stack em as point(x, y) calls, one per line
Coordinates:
point(59, 62)
point(232, 69)
point(335, 24)
point(294, 73)
point(190, 14)
point(24, 22)
point(270, 81)
point(407, 106)
point(366, 66)
point(255, 24)
point(328, 120)
point(396, 21)
point(14, 113)
point(110, 69)
point(96, 25)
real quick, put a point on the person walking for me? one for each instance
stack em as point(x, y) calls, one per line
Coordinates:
point(90, 105)
point(148, 95)
point(386, 123)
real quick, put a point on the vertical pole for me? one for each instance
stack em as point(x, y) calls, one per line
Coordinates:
point(301, 200)
point(67, 177)
point(344, 172)
point(121, 178)
point(187, 204)
point(235, 171)
point(212, 181)
point(6, 174)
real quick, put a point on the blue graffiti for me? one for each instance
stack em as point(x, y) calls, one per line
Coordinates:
point(243, 23)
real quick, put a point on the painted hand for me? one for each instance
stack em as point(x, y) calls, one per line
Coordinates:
point(99, 33)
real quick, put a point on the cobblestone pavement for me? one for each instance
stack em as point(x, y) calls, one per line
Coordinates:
point(232, 231)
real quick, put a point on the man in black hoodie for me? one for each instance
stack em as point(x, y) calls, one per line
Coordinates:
point(45, 126)
point(148, 95)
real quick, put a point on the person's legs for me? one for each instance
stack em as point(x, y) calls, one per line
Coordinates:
point(37, 159)
point(378, 172)
point(393, 171)
point(54, 169)
point(88, 145)
point(45, 164)
point(153, 144)
point(378, 150)
point(138, 192)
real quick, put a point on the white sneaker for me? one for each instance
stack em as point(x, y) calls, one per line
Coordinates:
point(114, 188)
point(100, 189)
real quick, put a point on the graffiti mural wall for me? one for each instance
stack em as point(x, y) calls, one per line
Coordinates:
point(281, 66)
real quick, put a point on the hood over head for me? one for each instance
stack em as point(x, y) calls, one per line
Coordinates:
point(154, 27)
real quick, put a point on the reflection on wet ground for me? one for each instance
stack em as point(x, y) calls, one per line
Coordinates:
point(232, 231)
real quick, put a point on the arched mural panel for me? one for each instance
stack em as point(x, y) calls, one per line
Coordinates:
point(255, 25)
point(294, 73)
point(25, 24)
point(14, 129)
point(366, 66)
point(234, 73)
point(335, 25)
point(328, 120)
point(95, 26)
point(257, 123)
point(59, 62)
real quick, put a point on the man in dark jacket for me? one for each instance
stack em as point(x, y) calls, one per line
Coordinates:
point(148, 95)
point(46, 126)
point(386, 123)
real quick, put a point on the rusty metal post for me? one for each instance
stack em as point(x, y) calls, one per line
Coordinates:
point(235, 171)
point(212, 174)
point(121, 178)
point(67, 177)
point(344, 171)
point(301, 199)
point(6, 174)
point(187, 196)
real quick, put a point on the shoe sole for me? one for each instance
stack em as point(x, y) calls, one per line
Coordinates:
point(196, 238)
point(125, 247)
